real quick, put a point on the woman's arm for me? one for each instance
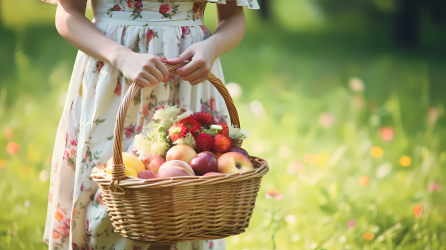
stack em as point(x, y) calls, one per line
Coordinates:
point(72, 24)
point(231, 25)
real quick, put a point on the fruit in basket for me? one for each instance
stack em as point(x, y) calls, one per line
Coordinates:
point(239, 150)
point(222, 143)
point(152, 162)
point(130, 160)
point(211, 173)
point(204, 162)
point(225, 129)
point(181, 152)
point(147, 174)
point(175, 168)
point(234, 162)
point(204, 142)
point(128, 171)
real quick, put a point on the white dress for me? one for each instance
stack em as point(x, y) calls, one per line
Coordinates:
point(76, 217)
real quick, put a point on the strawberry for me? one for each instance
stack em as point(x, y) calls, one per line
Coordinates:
point(221, 143)
point(225, 130)
point(177, 131)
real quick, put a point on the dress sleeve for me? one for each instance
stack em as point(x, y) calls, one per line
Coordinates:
point(251, 4)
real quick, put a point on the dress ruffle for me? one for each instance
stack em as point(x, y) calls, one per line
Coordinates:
point(251, 4)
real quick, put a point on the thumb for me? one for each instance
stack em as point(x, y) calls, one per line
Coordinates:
point(186, 55)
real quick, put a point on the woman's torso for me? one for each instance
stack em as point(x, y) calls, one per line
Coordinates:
point(150, 12)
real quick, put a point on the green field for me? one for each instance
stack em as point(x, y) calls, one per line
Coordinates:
point(353, 129)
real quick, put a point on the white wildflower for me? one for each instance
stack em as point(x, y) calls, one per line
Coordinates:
point(188, 140)
point(236, 133)
point(160, 148)
point(165, 117)
point(142, 144)
point(166, 113)
point(182, 116)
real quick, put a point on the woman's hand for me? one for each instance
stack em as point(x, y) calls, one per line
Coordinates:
point(72, 24)
point(145, 69)
point(202, 56)
point(230, 30)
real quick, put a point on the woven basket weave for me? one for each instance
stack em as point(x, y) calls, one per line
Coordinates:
point(172, 210)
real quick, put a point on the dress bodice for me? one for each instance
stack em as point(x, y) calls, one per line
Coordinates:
point(157, 10)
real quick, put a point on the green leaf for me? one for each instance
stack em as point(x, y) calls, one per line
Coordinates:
point(325, 193)
point(205, 103)
point(99, 121)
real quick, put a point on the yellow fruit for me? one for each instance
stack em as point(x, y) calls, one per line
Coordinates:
point(128, 171)
point(130, 161)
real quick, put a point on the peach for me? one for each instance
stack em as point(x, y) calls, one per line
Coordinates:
point(152, 162)
point(130, 160)
point(181, 152)
point(234, 162)
point(175, 168)
point(211, 173)
point(147, 174)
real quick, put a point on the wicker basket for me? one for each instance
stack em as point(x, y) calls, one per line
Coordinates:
point(171, 210)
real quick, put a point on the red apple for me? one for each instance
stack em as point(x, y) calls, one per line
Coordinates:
point(175, 168)
point(152, 162)
point(211, 173)
point(181, 152)
point(147, 174)
point(234, 162)
point(239, 150)
point(204, 162)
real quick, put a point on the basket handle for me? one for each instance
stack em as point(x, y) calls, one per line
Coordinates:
point(118, 169)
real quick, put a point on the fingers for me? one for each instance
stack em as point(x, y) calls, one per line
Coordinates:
point(153, 67)
point(162, 69)
point(187, 54)
point(196, 76)
point(198, 80)
point(142, 81)
point(148, 79)
point(163, 59)
point(192, 66)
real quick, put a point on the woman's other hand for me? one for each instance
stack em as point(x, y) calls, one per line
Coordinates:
point(202, 56)
point(231, 26)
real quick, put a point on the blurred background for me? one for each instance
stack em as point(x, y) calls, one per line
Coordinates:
point(344, 99)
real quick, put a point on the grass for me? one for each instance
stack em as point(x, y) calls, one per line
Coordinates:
point(321, 107)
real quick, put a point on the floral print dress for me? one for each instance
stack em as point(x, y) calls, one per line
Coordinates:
point(77, 217)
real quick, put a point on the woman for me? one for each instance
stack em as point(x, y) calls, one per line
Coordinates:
point(128, 41)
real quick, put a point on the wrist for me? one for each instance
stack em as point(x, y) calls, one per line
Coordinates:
point(118, 55)
point(213, 48)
